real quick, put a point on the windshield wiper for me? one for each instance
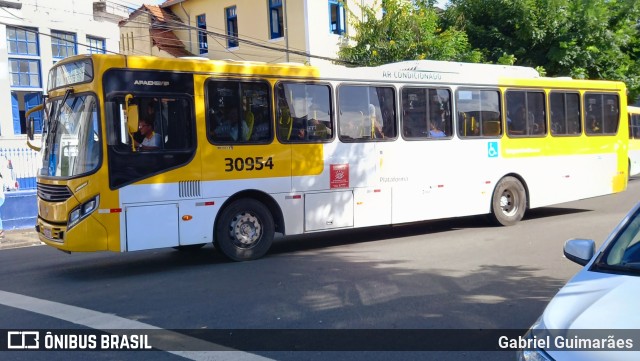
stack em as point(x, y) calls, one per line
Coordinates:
point(629, 267)
point(59, 109)
point(55, 120)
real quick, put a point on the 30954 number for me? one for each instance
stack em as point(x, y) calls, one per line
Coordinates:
point(247, 164)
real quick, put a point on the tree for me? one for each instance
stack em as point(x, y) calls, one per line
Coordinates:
point(587, 39)
point(397, 30)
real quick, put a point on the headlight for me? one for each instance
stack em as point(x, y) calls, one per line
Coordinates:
point(80, 212)
point(74, 216)
point(538, 328)
point(90, 206)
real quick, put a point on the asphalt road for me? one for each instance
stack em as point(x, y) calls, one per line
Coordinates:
point(449, 274)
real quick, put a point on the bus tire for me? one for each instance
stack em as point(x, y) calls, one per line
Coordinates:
point(245, 230)
point(509, 202)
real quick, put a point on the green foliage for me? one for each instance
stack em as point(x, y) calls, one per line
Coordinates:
point(407, 31)
point(585, 39)
point(507, 59)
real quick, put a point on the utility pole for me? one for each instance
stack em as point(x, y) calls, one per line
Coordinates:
point(286, 30)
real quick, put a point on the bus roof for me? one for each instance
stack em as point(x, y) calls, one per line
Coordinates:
point(412, 71)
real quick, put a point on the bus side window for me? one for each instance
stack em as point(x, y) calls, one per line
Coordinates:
point(304, 112)
point(366, 112)
point(565, 113)
point(238, 111)
point(525, 113)
point(478, 108)
point(602, 113)
point(426, 113)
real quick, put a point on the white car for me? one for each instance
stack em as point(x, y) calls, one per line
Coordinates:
point(596, 315)
point(9, 180)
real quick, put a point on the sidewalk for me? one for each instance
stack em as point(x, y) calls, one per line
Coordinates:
point(17, 238)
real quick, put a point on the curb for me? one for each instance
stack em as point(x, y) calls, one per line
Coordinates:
point(18, 238)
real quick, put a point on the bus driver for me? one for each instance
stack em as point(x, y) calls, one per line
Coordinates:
point(151, 140)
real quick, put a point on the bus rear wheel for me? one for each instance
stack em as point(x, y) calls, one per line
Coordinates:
point(245, 230)
point(509, 202)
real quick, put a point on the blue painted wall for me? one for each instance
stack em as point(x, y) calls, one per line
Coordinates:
point(20, 209)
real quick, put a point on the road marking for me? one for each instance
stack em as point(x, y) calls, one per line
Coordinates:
point(104, 322)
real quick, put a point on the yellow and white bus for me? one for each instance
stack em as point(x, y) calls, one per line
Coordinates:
point(244, 150)
point(634, 140)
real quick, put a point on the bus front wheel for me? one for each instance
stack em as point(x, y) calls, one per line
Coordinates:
point(509, 202)
point(245, 230)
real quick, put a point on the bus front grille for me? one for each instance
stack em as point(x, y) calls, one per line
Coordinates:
point(53, 193)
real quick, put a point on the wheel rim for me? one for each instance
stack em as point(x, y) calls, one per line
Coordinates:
point(509, 202)
point(245, 230)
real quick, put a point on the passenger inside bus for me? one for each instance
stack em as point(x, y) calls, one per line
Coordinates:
point(150, 139)
point(299, 129)
point(226, 121)
point(557, 121)
point(593, 124)
point(247, 124)
point(517, 124)
point(435, 132)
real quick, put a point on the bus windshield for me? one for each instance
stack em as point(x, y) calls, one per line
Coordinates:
point(73, 139)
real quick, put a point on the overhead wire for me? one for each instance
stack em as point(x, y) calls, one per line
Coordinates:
point(179, 25)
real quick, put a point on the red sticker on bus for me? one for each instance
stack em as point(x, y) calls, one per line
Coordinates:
point(339, 176)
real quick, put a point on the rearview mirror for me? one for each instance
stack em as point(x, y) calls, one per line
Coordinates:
point(579, 251)
point(30, 121)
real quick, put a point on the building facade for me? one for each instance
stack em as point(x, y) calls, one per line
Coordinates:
point(38, 33)
point(272, 31)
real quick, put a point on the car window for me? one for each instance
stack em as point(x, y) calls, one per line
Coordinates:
point(625, 250)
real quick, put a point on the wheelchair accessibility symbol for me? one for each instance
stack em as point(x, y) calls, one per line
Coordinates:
point(492, 149)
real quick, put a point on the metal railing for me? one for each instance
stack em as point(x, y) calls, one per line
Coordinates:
point(25, 164)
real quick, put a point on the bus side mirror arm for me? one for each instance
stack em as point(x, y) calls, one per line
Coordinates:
point(30, 121)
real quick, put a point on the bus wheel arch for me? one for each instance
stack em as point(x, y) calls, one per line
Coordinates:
point(509, 201)
point(246, 224)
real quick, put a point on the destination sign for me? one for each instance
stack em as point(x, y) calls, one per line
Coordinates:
point(74, 72)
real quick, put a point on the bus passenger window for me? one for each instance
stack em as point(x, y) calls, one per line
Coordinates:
point(478, 113)
point(366, 113)
point(525, 113)
point(565, 113)
point(238, 112)
point(303, 112)
point(602, 114)
point(426, 113)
